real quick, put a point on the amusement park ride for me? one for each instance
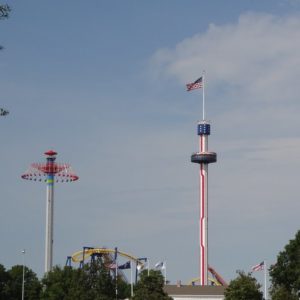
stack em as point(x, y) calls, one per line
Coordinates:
point(50, 172)
point(89, 254)
point(204, 157)
point(109, 258)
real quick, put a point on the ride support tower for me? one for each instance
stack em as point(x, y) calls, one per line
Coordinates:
point(203, 158)
point(50, 172)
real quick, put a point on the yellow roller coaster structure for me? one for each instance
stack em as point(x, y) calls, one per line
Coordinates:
point(87, 252)
point(80, 256)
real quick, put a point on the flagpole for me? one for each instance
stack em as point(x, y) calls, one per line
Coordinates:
point(165, 265)
point(136, 272)
point(203, 95)
point(265, 267)
point(148, 266)
point(131, 279)
point(116, 273)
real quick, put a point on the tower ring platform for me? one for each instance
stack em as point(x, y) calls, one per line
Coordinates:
point(204, 157)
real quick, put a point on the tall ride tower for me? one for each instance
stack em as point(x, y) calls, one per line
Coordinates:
point(50, 172)
point(203, 158)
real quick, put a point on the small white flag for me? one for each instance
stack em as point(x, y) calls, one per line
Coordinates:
point(160, 265)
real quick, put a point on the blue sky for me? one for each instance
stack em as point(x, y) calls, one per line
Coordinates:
point(103, 84)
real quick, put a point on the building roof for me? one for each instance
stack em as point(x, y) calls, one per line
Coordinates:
point(196, 290)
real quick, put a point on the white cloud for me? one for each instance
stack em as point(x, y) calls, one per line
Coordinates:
point(258, 56)
point(252, 70)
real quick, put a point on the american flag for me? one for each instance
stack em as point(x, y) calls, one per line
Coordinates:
point(198, 84)
point(111, 266)
point(258, 267)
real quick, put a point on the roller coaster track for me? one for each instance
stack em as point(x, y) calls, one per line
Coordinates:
point(217, 279)
point(108, 256)
point(80, 256)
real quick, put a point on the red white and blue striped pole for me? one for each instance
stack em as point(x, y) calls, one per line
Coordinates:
point(203, 158)
point(203, 186)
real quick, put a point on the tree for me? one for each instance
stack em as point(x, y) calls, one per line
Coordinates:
point(4, 13)
point(100, 282)
point(92, 282)
point(244, 287)
point(58, 283)
point(3, 283)
point(32, 285)
point(124, 289)
point(150, 287)
point(280, 293)
point(285, 274)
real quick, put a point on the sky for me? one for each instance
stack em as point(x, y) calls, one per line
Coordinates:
point(103, 84)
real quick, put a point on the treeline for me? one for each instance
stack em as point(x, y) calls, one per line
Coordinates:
point(4, 13)
point(94, 281)
point(284, 277)
point(11, 283)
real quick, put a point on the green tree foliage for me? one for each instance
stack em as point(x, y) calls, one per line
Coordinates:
point(4, 277)
point(4, 13)
point(92, 282)
point(150, 287)
point(285, 274)
point(124, 289)
point(60, 283)
point(11, 284)
point(280, 293)
point(100, 283)
point(244, 287)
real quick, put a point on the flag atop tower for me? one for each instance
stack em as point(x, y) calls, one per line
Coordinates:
point(195, 85)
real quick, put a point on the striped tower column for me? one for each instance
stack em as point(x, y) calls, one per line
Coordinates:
point(203, 158)
point(49, 214)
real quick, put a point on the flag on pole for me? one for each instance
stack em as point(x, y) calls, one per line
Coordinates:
point(140, 266)
point(198, 84)
point(111, 266)
point(115, 262)
point(127, 265)
point(116, 270)
point(258, 267)
point(160, 265)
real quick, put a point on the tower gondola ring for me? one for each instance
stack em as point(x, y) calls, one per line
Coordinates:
point(204, 157)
